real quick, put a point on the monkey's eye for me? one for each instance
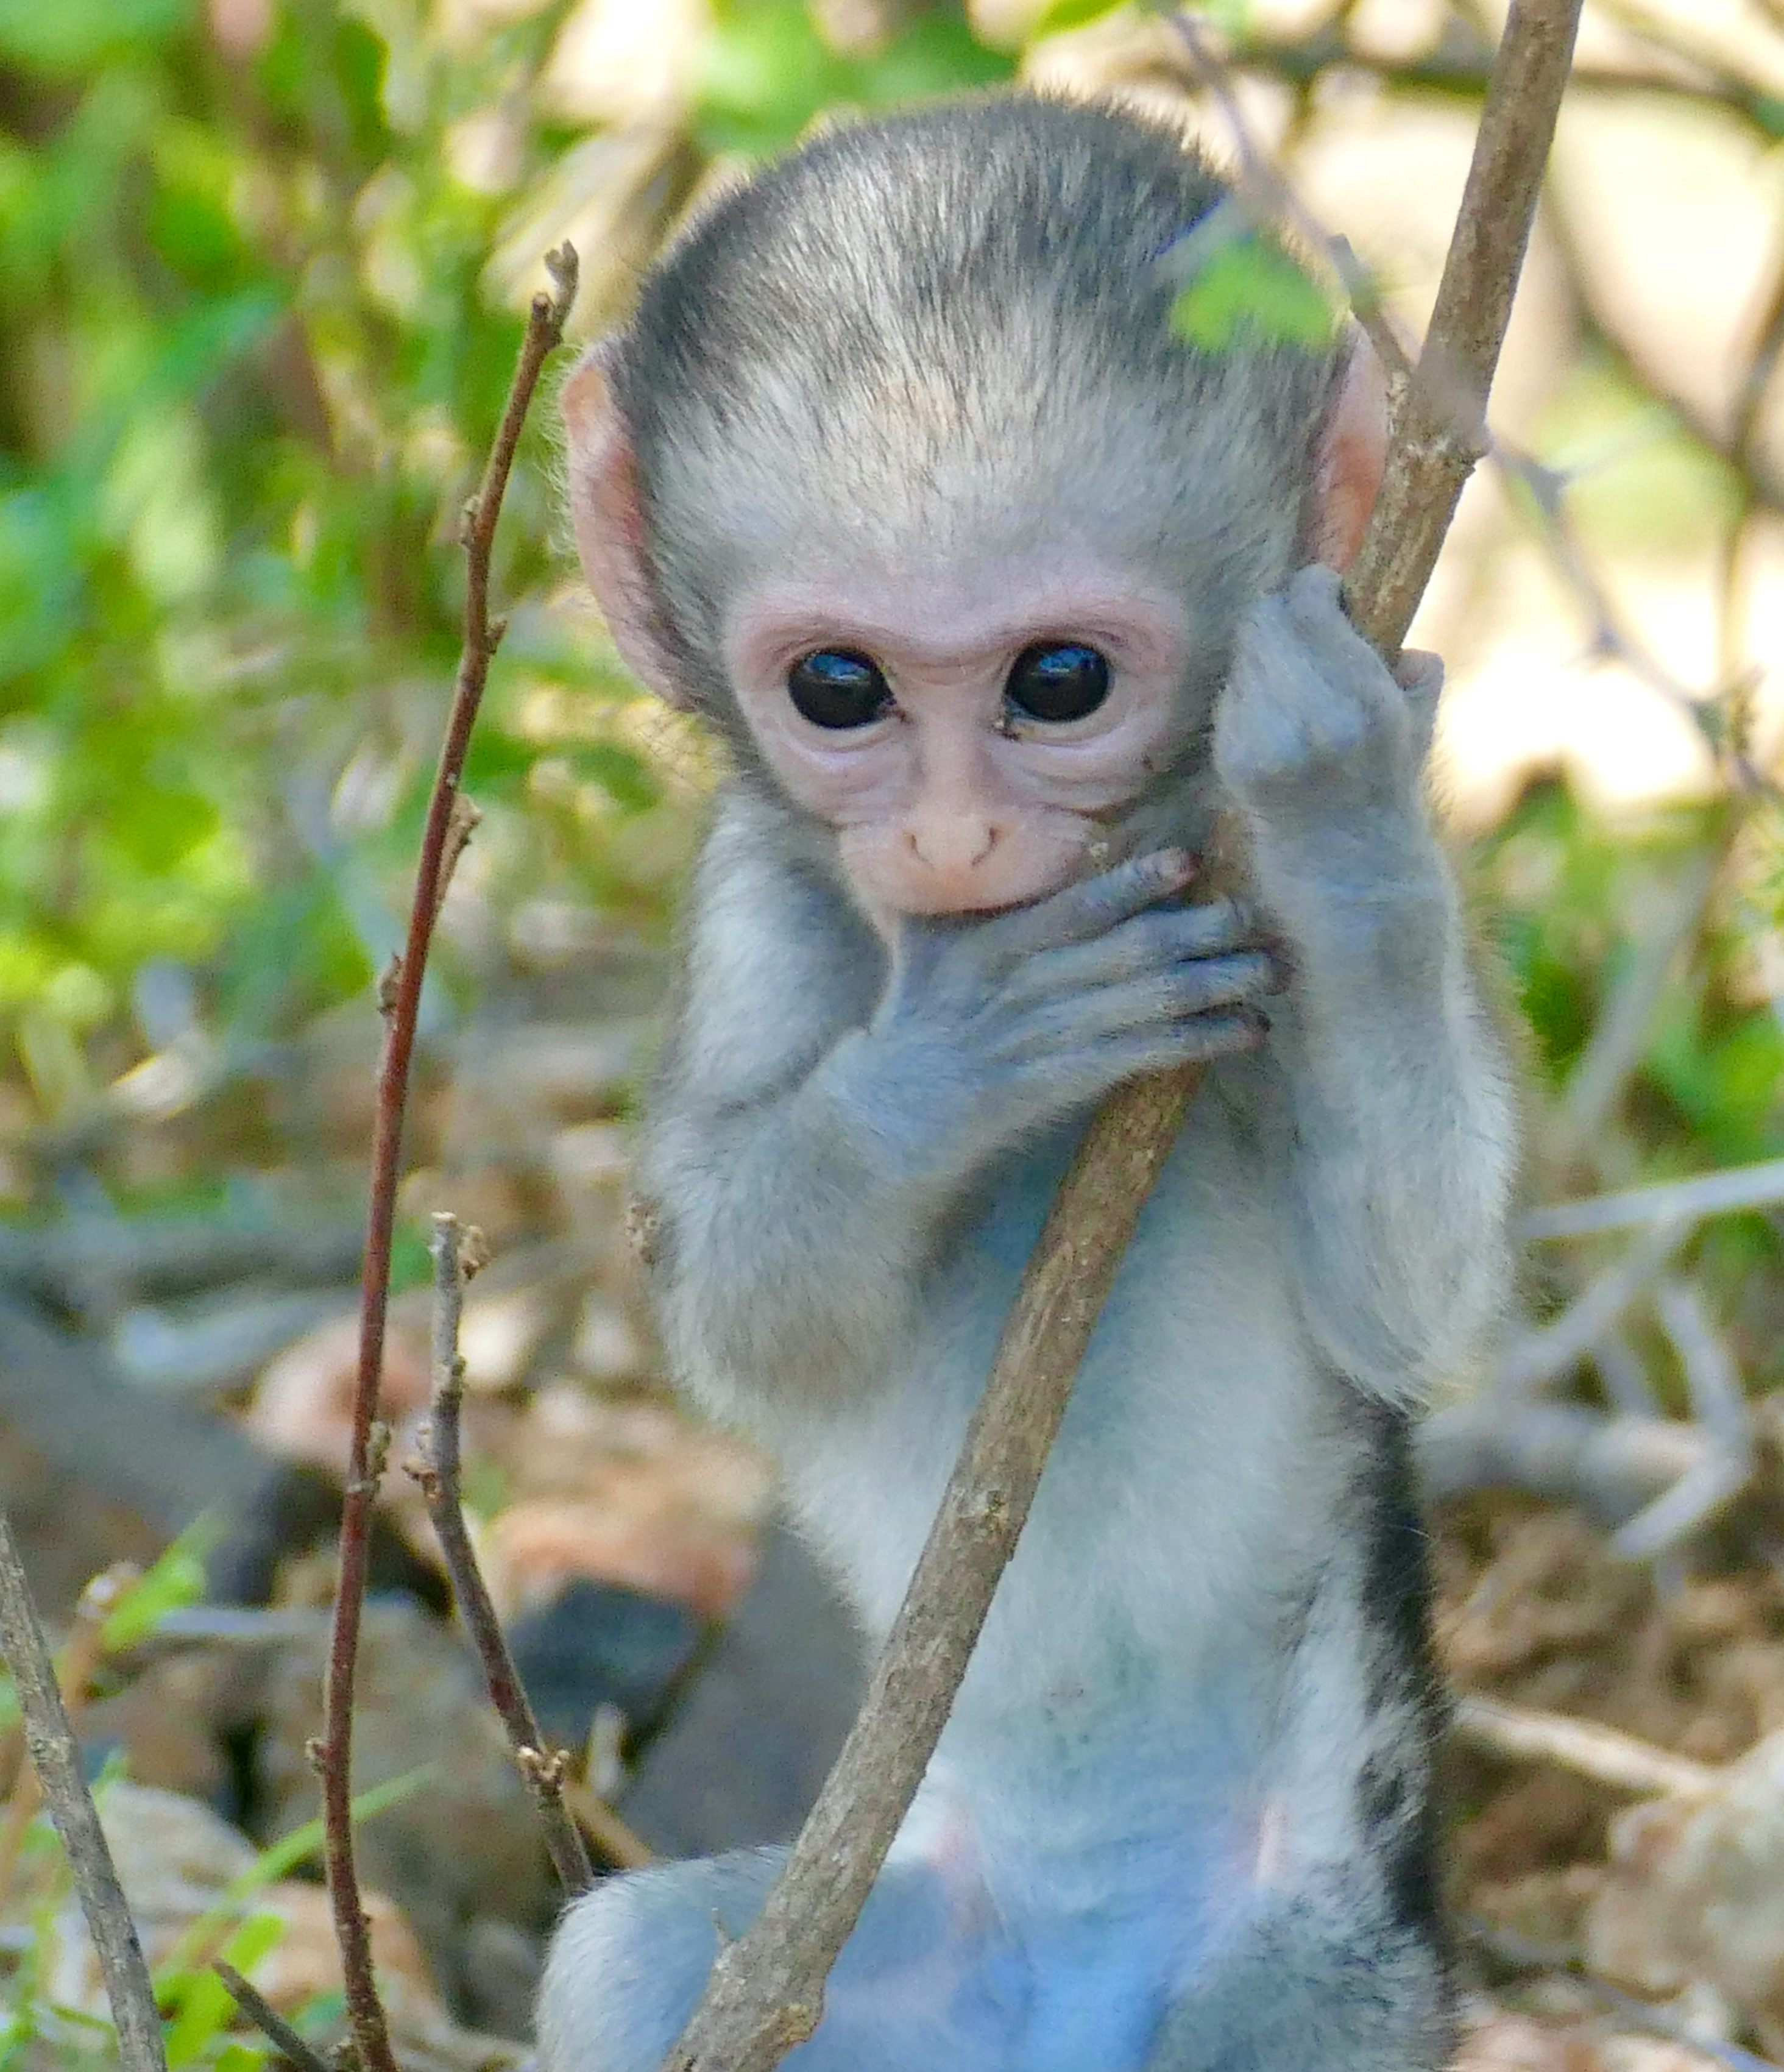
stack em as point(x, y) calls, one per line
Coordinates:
point(837, 688)
point(1058, 682)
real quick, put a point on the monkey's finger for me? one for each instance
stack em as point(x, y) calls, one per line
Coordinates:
point(1190, 992)
point(1092, 908)
point(1196, 1042)
point(1149, 944)
point(1420, 676)
point(1420, 673)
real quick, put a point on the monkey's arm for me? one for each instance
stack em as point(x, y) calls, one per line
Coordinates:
point(823, 1107)
point(1403, 1133)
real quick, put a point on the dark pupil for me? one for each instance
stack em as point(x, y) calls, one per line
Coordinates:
point(836, 688)
point(1058, 683)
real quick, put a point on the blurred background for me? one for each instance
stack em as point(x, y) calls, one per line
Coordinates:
point(262, 269)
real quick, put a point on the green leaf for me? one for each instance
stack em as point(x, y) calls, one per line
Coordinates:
point(1071, 14)
point(275, 1862)
point(1246, 288)
point(175, 1580)
point(203, 2010)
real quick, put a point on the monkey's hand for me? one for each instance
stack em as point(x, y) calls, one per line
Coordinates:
point(796, 1219)
point(1322, 750)
point(993, 1027)
point(1402, 1135)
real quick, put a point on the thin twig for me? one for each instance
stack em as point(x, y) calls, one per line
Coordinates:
point(1756, 1186)
point(1612, 1466)
point(1271, 197)
point(618, 1843)
point(1700, 1495)
point(1439, 430)
point(1623, 1376)
point(1703, 1493)
point(55, 1758)
point(80, 1657)
point(1597, 1082)
point(401, 994)
point(1542, 1355)
point(1301, 61)
point(1523, 1734)
point(267, 2019)
point(438, 1471)
point(1522, 1953)
point(1711, 1379)
point(765, 1993)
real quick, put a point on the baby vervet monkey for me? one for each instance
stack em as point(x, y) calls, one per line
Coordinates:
point(998, 592)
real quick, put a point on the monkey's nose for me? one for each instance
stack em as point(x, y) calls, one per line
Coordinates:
point(952, 848)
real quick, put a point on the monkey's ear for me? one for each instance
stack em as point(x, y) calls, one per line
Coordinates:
point(609, 525)
point(1352, 449)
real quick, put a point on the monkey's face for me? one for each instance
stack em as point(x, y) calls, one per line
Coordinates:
point(972, 731)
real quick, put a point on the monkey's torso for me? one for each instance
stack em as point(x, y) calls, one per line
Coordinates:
point(1195, 1711)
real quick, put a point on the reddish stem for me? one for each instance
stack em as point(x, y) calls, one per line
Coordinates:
point(399, 1000)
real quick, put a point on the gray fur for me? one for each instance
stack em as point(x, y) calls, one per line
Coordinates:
point(1180, 1820)
point(955, 319)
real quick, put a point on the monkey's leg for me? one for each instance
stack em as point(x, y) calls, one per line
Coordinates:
point(1307, 1994)
point(922, 1982)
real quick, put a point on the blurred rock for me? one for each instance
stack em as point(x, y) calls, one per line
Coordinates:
point(465, 1844)
point(595, 1645)
point(176, 1862)
point(625, 1490)
point(1694, 1889)
point(302, 1406)
point(743, 1757)
point(638, 1543)
point(91, 1472)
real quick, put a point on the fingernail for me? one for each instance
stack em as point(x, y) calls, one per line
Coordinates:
point(1282, 962)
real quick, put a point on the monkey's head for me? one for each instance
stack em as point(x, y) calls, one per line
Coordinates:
point(902, 475)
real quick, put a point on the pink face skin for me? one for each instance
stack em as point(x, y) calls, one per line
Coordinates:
point(953, 803)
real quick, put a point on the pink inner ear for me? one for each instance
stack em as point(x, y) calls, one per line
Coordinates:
point(610, 526)
point(1353, 451)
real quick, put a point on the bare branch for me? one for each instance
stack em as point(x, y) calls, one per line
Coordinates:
point(267, 2019)
point(1607, 1757)
point(1597, 1082)
point(1440, 429)
point(617, 1841)
point(438, 1475)
point(55, 1758)
point(1612, 1466)
point(1302, 60)
point(1522, 1953)
point(1711, 1379)
point(400, 1002)
point(1704, 1491)
point(1762, 482)
point(1540, 1355)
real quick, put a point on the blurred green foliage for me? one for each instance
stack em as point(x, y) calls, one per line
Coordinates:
point(253, 344)
point(250, 369)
